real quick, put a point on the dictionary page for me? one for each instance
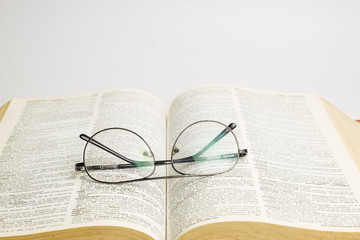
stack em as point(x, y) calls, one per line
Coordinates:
point(39, 188)
point(297, 173)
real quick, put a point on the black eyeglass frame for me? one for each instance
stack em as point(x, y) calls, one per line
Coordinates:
point(227, 129)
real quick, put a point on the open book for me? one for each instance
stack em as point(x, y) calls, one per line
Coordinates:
point(300, 179)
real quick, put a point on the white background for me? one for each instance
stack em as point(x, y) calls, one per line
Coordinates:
point(59, 48)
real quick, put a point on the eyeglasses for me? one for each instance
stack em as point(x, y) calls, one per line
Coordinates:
point(119, 155)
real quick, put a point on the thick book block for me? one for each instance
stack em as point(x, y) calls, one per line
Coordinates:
point(299, 180)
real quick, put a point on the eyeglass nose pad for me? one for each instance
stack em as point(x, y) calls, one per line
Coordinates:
point(145, 153)
point(176, 150)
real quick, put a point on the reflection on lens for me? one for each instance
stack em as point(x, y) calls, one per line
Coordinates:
point(116, 155)
point(205, 148)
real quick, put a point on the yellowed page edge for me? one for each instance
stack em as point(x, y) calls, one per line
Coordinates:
point(347, 128)
point(99, 232)
point(261, 231)
point(3, 109)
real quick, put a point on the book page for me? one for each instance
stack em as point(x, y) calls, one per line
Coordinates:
point(297, 172)
point(39, 188)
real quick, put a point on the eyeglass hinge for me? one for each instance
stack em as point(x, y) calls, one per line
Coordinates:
point(243, 152)
point(79, 166)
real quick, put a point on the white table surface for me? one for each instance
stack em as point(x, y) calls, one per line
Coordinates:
point(66, 47)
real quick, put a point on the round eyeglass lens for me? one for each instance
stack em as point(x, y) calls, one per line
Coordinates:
point(118, 155)
point(205, 148)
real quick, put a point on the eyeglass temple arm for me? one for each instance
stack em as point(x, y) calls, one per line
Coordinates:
point(241, 153)
point(105, 148)
point(80, 166)
point(222, 134)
